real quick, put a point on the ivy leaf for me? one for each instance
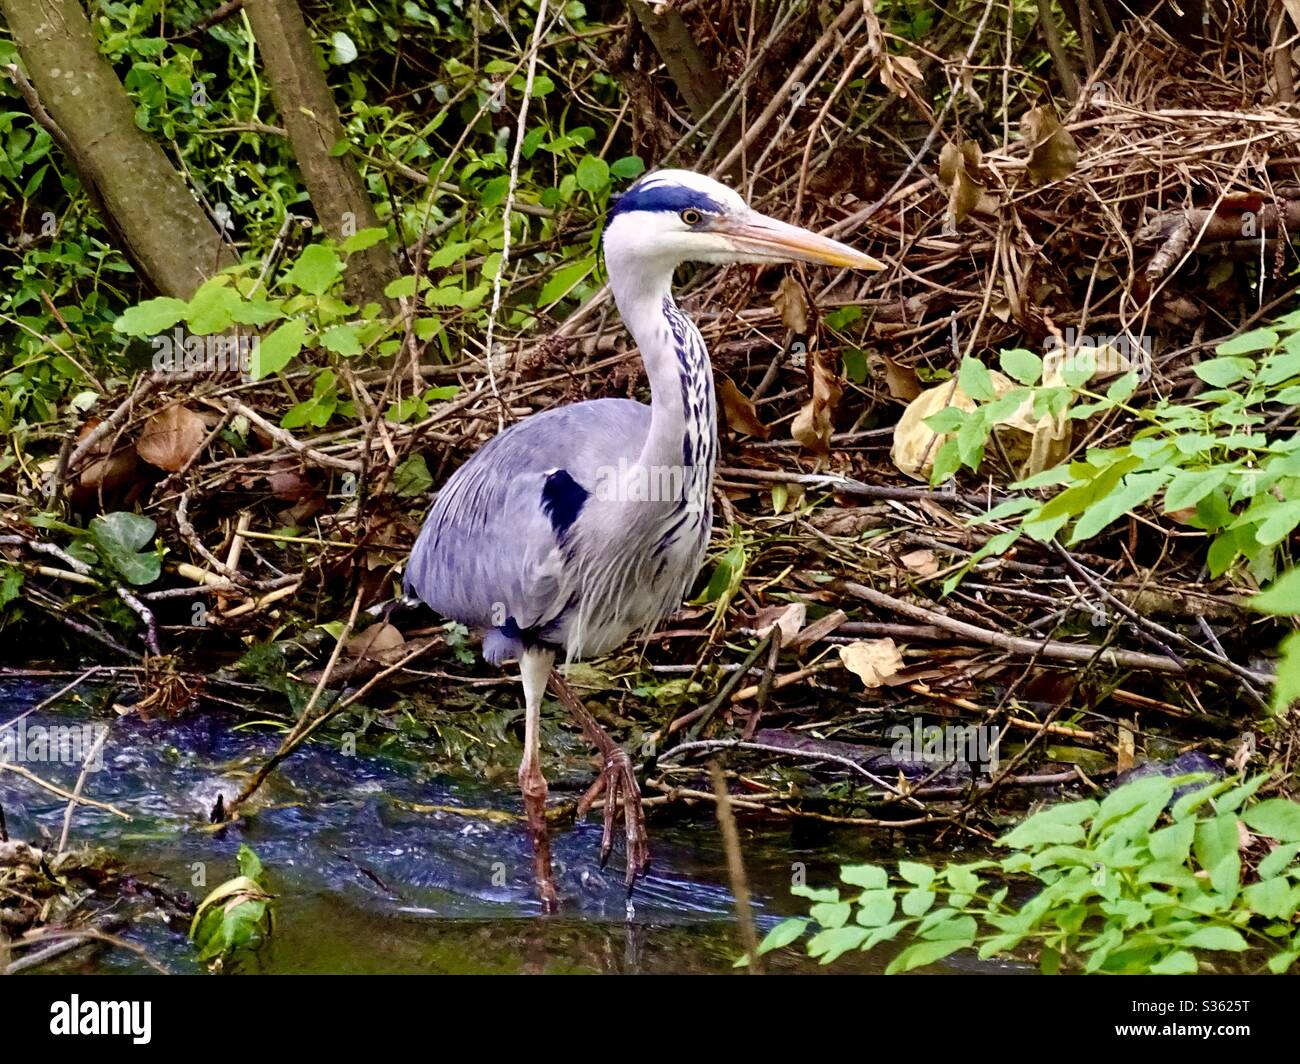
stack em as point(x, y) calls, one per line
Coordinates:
point(412, 477)
point(118, 538)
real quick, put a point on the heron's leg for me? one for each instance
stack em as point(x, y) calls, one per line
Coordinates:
point(618, 783)
point(534, 667)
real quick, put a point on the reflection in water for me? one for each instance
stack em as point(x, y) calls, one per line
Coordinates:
point(371, 876)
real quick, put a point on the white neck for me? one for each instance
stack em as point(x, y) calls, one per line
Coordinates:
point(682, 402)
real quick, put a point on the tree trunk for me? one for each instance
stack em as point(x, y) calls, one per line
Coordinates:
point(144, 200)
point(306, 105)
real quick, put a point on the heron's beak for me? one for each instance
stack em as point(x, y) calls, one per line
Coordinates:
point(757, 234)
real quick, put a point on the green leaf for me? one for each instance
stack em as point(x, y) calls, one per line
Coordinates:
point(1190, 486)
point(917, 902)
point(1179, 962)
point(344, 50)
point(1277, 861)
point(363, 239)
point(342, 340)
point(831, 913)
point(833, 942)
point(274, 352)
point(919, 874)
point(1123, 387)
point(923, 953)
point(402, 286)
point(11, 582)
point(1173, 843)
point(593, 174)
point(1246, 343)
point(212, 308)
point(412, 477)
point(255, 312)
point(118, 537)
point(1135, 490)
point(151, 317)
point(868, 876)
point(316, 270)
point(1216, 938)
point(783, 934)
point(249, 864)
point(1024, 366)
point(1222, 372)
point(1278, 818)
point(628, 167)
point(1270, 898)
point(974, 379)
point(564, 280)
point(876, 908)
point(1281, 598)
point(1286, 683)
point(1056, 825)
point(1281, 520)
point(1280, 963)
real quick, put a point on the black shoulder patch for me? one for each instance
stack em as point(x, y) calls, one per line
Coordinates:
point(562, 500)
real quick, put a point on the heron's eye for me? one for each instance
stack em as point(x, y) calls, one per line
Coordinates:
point(691, 216)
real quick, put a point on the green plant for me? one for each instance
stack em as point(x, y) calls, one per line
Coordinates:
point(1217, 460)
point(1282, 599)
point(1120, 885)
point(236, 915)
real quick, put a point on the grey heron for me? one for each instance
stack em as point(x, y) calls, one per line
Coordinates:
point(581, 525)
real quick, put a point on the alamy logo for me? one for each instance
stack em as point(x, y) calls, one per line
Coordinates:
point(182, 352)
point(134, 1018)
point(632, 482)
point(933, 744)
point(1119, 353)
point(61, 744)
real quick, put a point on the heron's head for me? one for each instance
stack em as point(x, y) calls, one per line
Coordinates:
point(673, 216)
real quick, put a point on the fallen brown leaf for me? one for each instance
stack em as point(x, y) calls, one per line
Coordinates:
point(739, 410)
point(171, 438)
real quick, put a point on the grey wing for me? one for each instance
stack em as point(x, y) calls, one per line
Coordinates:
point(491, 554)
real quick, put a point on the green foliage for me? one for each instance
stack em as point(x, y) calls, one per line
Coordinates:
point(1140, 882)
point(435, 161)
point(235, 916)
point(1213, 459)
point(1282, 598)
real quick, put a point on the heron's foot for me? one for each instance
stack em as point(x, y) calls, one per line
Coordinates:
point(533, 786)
point(618, 784)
